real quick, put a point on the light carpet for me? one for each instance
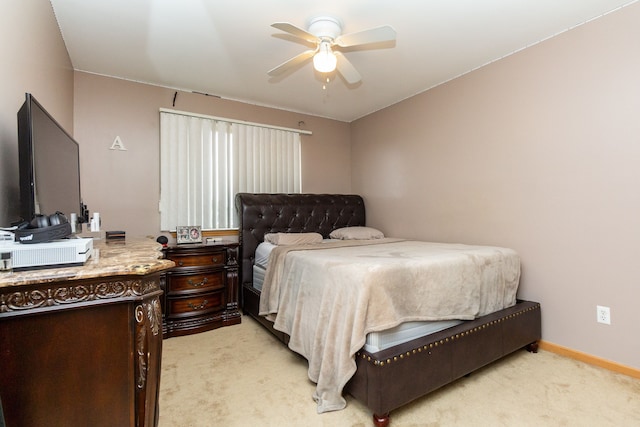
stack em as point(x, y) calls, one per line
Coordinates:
point(243, 376)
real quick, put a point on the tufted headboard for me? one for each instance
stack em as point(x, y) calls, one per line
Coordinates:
point(294, 213)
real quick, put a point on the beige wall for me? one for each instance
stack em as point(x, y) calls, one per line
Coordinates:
point(34, 59)
point(539, 152)
point(124, 185)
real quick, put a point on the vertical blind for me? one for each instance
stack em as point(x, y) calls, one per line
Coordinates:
point(205, 161)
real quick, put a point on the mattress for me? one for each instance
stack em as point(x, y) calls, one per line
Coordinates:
point(375, 341)
point(258, 276)
point(405, 332)
point(263, 251)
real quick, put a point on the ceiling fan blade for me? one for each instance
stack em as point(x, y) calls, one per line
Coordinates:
point(346, 68)
point(296, 60)
point(374, 35)
point(296, 31)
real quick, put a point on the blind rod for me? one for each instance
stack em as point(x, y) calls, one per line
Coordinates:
point(223, 119)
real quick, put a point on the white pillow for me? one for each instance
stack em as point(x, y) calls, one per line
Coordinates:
point(293, 238)
point(356, 233)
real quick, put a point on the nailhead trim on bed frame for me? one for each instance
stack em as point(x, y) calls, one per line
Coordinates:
point(427, 347)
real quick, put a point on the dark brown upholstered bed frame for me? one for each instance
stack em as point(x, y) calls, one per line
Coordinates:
point(393, 377)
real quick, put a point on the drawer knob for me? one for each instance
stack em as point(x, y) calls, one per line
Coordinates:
point(199, 306)
point(197, 284)
point(180, 263)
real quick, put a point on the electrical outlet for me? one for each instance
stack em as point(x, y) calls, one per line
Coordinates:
point(604, 314)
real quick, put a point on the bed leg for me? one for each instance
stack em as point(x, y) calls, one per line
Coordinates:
point(381, 420)
point(533, 347)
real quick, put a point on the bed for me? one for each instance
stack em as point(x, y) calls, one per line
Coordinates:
point(390, 375)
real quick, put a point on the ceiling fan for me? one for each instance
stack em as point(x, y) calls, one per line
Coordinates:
point(325, 32)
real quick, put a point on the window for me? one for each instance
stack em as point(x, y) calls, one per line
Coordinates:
point(205, 161)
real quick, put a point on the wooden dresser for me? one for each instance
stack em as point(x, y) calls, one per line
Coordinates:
point(82, 346)
point(201, 291)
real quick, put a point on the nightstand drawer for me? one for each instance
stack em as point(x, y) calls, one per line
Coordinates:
point(196, 282)
point(206, 260)
point(200, 304)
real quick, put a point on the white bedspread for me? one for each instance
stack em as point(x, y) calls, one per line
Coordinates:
point(328, 297)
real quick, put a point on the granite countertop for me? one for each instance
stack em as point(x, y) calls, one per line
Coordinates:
point(133, 256)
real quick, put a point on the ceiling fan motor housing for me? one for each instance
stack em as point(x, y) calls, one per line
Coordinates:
point(325, 27)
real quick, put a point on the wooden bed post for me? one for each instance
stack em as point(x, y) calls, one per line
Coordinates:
point(381, 420)
point(533, 347)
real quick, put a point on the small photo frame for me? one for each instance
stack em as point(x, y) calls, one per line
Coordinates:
point(188, 234)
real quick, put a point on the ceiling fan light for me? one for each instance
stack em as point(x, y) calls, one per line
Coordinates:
point(325, 60)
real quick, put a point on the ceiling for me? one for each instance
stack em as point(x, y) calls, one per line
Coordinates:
point(226, 47)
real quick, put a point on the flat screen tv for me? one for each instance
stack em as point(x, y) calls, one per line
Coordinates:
point(49, 162)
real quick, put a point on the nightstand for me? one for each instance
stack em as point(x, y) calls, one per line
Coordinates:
point(201, 291)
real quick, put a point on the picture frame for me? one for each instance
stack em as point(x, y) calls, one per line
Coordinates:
point(188, 234)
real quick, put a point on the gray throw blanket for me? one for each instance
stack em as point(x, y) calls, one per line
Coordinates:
point(327, 297)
